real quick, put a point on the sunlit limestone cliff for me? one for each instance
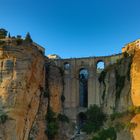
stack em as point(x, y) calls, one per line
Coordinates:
point(22, 76)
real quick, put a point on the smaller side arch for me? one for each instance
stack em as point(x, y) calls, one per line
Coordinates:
point(67, 66)
point(100, 66)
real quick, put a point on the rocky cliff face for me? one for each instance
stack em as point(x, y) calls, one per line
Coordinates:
point(120, 87)
point(116, 86)
point(115, 89)
point(50, 99)
point(134, 50)
point(135, 91)
point(21, 77)
point(26, 79)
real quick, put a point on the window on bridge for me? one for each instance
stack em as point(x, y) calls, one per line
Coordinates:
point(100, 66)
point(83, 87)
point(66, 66)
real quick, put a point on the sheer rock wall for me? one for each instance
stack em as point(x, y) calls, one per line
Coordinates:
point(22, 75)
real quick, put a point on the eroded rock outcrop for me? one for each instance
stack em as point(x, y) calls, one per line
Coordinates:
point(50, 99)
point(133, 49)
point(115, 89)
point(135, 91)
point(115, 86)
point(22, 76)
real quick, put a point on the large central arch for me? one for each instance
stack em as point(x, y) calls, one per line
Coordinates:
point(83, 87)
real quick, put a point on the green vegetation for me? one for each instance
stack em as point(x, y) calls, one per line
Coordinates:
point(2, 42)
point(130, 126)
point(19, 41)
point(30, 138)
point(63, 84)
point(103, 96)
point(52, 119)
point(28, 38)
point(3, 33)
point(120, 78)
point(52, 129)
point(119, 61)
point(3, 117)
point(95, 119)
point(134, 110)
point(120, 81)
point(125, 55)
point(119, 126)
point(127, 125)
point(62, 98)
point(46, 94)
point(63, 118)
point(102, 76)
point(106, 134)
point(61, 72)
point(118, 115)
point(102, 79)
point(52, 124)
point(9, 35)
point(129, 68)
point(116, 125)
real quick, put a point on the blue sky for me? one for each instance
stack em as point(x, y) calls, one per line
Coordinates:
point(74, 28)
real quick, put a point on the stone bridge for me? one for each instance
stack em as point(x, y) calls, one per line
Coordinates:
point(81, 85)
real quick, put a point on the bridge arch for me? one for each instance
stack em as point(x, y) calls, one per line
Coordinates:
point(100, 65)
point(67, 66)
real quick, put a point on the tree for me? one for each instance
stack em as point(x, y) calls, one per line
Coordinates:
point(95, 119)
point(3, 33)
point(106, 134)
point(28, 38)
point(9, 35)
point(52, 124)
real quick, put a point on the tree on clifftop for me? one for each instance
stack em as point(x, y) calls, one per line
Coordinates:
point(28, 38)
point(3, 33)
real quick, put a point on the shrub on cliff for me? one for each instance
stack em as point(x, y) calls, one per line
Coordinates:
point(52, 130)
point(3, 117)
point(95, 119)
point(63, 118)
point(3, 33)
point(106, 134)
point(52, 124)
point(28, 38)
point(134, 110)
